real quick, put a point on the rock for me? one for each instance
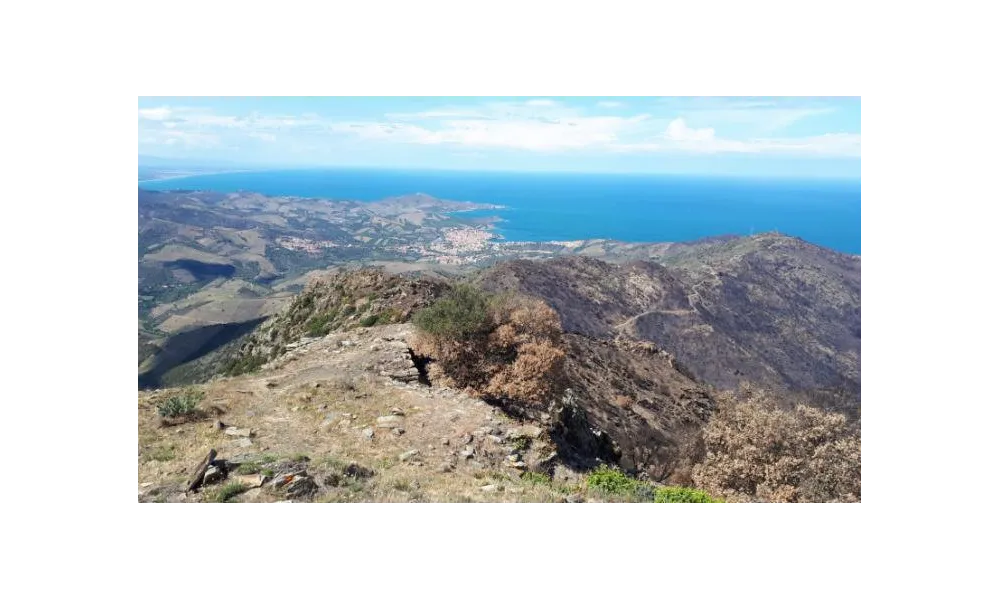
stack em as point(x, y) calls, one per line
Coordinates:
point(251, 481)
point(467, 439)
point(368, 433)
point(518, 465)
point(408, 455)
point(396, 411)
point(272, 384)
point(574, 498)
point(213, 475)
point(496, 439)
point(445, 442)
point(399, 431)
point(244, 443)
point(446, 467)
point(492, 487)
point(347, 343)
point(467, 453)
point(344, 423)
point(294, 484)
point(389, 422)
point(317, 385)
point(358, 472)
point(233, 431)
point(514, 457)
point(218, 425)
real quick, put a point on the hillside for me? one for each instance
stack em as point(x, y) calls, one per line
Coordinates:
point(768, 308)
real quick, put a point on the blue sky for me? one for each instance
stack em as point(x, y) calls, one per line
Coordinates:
point(789, 137)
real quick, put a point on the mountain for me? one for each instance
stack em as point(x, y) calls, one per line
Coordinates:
point(767, 308)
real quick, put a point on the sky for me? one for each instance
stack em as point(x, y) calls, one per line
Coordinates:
point(773, 137)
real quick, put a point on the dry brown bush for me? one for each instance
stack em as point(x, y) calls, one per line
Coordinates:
point(517, 357)
point(757, 451)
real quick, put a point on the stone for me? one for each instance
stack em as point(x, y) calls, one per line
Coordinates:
point(272, 384)
point(399, 431)
point(358, 472)
point(251, 481)
point(467, 439)
point(233, 431)
point(408, 455)
point(213, 475)
point(244, 443)
point(496, 438)
point(368, 433)
point(396, 411)
point(345, 423)
point(574, 498)
point(491, 487)
point(518, 465)
point(446, 467)
point(514, 457)
point(445, 442)
point(293, 484)
point(561, 473)
point(467, 453)
point(218, 425)
point(389, 422)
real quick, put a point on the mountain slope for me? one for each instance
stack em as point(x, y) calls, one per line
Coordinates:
point(768, 308)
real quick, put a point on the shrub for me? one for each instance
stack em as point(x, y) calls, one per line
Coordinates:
point(612, 481)
point(682, 494)
point(249, 468)
point(502, 348)
point(460, 312)
point(368, 321)
point(758, 451)
point(183, 404)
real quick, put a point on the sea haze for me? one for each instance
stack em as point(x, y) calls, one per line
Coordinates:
point(570, 206)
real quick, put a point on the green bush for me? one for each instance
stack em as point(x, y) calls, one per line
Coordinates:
point(612, 481)
point(182, 404)
point(462, 311)
point(683, 494)
point(368, 321)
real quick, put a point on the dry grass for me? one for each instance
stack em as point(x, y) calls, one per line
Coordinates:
point(318, 405)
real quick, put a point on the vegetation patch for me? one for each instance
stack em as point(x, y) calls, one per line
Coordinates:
point(535, 478)
point(181, 405)
point(612, 482)
point(229, 491)
point(682, 494)
point(758, 451)
point(506, 349)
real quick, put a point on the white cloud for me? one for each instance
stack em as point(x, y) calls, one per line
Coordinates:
point(610, 104)
point(535, 125)
point(154, 114)
point(681, 137)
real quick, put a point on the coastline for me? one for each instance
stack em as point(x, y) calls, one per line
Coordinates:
point(187, 175)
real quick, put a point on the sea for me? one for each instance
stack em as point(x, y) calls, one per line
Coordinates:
point(572, 206)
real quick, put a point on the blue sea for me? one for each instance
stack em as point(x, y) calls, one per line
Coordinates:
point(570, 206)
